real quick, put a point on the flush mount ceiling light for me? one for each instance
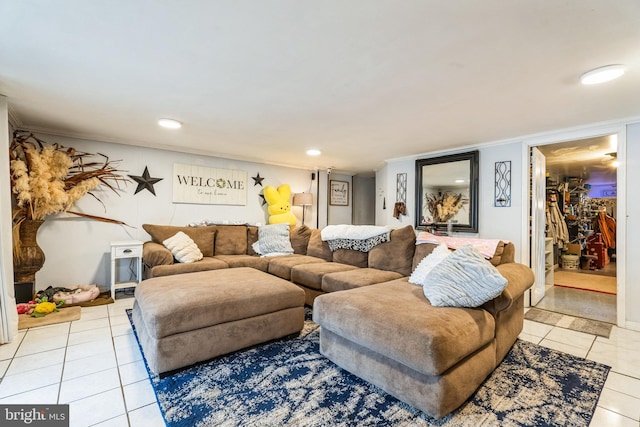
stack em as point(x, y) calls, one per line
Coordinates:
point(602, 74)
point(169, 123)
point(313, 152)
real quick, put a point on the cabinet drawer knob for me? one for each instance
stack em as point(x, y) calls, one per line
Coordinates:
point(127, 251)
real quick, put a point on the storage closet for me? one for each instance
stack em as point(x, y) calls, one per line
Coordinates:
point(580, 229)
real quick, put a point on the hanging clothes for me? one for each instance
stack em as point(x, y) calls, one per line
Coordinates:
point(606, 225)
point(556, 225)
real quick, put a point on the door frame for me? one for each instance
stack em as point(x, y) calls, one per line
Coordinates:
point(537, 223)
point(576, 134)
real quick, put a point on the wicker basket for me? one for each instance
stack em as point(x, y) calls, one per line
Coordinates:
point(570, 262)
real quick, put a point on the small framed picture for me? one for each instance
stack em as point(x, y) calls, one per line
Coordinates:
point(339, 193)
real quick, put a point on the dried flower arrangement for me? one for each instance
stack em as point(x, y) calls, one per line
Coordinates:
point(443, 206)
point(48, 178)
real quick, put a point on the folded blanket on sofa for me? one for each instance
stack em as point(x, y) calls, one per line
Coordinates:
point(362, 245)
point(358, 232)
point(355, 237)
point(487, 247)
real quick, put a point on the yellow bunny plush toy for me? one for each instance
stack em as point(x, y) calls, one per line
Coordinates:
point(279, 206)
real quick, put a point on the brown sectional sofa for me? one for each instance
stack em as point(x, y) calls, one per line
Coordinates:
point(374, 323)
point(230, 246)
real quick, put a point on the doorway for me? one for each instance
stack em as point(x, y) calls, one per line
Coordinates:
point(580, 228)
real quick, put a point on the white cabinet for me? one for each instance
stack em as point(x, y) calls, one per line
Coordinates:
point(549, 263)
point(131, 250)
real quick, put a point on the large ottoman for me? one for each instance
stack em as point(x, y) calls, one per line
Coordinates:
point(187, 318)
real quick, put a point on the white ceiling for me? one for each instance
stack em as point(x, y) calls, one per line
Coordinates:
point(590, 159)
point(361, 80)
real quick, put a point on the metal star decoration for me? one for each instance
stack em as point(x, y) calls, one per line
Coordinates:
point(257, 180)
point(264, 201)
point(145, 181)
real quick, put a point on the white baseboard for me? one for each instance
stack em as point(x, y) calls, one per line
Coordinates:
point(634, 326)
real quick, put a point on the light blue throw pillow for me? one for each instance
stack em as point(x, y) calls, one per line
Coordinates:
point(273, 239)
point(463, 279)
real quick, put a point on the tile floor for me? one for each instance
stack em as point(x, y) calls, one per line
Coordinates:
point(619, 404)
point(95, 365)
point(576, 302)
point(580, 303)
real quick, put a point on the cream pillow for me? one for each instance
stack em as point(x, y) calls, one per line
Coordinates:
point(419, 275)
point(183, 248)
point(464, 279)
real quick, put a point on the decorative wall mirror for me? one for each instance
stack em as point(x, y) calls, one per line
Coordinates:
point(447, 189)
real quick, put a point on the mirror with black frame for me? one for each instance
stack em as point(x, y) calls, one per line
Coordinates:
point(447, 190)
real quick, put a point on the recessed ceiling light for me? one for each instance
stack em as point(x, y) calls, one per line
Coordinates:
point(170, 123)
point(602, 74)
point(459, 181)
point(313, 152)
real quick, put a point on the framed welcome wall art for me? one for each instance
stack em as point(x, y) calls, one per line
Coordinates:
point(209, 186)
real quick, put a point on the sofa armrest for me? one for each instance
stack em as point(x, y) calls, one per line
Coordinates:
point(505, 253)
point(519, 279)
point(155, 254)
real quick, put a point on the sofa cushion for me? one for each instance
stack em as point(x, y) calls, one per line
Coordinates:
point(427, 339)
point(351, 257)
point(252, 237)
point(357, 278)
point(203, 236)
point(397, 254)
point(183, 248)
point(231, 240)
point(300, 239)
point(317, 247)
point(310, 275)
point(235, 261)
point(281, 266)
point(273, 239)
point(463, 279)
point(206, 263)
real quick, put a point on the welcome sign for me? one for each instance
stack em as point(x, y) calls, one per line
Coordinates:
point(209, 186)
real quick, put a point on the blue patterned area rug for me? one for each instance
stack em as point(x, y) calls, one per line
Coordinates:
point(289, 383)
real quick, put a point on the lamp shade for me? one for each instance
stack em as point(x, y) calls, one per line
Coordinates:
point(302, 199)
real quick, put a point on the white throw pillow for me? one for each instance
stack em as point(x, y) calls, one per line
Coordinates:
point(437, 255)
point(183, 248)
point(464, 279)
point(273, 240)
